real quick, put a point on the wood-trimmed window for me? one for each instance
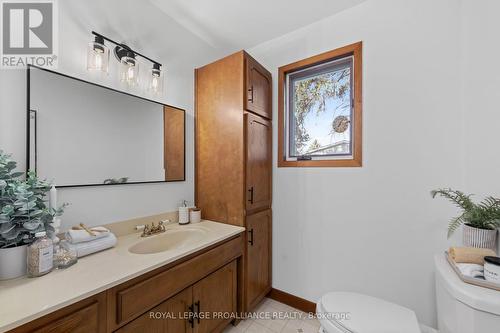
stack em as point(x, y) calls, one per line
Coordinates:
point(320, 109)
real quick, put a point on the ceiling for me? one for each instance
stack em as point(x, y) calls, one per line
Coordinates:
point(230, 25)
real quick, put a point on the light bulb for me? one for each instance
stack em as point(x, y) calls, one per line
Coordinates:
point(129, 70)
point(98, 61)
point(130, 73)
point(156, 80)
point(98, 56)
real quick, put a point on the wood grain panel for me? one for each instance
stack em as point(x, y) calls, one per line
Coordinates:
point(219, 172)
point(174, 143)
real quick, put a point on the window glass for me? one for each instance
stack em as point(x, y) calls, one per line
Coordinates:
point(319, 113)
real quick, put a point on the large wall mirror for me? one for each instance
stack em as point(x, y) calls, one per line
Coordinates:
point(83, 134)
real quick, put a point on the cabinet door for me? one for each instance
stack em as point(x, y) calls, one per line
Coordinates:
point(258, 163)
point(171, 316)
point(258, 259)
point(215, 294)
point(258, 87)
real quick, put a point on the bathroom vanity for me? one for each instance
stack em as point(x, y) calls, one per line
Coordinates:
point(172, 282)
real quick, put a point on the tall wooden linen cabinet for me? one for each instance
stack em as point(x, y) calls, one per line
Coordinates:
point(234, 160)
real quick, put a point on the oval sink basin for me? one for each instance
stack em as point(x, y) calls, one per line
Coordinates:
point(171, 239)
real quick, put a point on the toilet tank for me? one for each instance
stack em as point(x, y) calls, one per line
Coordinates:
point(462, 307)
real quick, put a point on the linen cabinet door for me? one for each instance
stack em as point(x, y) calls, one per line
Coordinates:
point(258, 87)
point(258, 260)
point(258, 132)
point(214, 295)
point(170, 316)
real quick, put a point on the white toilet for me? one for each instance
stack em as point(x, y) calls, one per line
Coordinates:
point(462, 308)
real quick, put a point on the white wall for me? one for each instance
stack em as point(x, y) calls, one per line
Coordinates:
point(481, 84)
point(151, 32)
point(375, 229)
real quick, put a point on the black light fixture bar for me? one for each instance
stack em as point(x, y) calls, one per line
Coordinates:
point(126, 47)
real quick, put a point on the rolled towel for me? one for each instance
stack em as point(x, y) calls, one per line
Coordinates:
point(469, 255)
point(86, 248)
point(471, 270)
point(75, 236)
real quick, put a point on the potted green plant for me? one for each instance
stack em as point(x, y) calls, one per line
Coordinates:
point(23, 212)
point(480, 220)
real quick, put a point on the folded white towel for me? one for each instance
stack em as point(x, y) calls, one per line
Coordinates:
point(79, 236)
point(86, 248)
point(471, 270)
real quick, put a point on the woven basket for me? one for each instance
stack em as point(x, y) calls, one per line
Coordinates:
point(483, 238)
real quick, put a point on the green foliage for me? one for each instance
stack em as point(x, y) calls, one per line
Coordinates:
point(483, 215)
point(314, 92)
point(23, 209)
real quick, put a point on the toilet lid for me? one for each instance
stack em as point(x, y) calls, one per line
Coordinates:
point(351, 312)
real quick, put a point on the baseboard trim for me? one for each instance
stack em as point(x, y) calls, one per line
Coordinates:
point(292, 300)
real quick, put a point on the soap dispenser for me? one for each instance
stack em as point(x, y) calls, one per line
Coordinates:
point(184, 213)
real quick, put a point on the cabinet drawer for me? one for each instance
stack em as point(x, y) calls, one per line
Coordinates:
point(86, 316)
point(134, 300)
point(85, 320)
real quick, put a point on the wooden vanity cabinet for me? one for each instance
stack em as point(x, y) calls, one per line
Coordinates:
point(234, 159)
point(180, 297)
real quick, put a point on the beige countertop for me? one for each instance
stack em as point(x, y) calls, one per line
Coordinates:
point(25, 299)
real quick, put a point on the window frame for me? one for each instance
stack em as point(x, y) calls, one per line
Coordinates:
point(355, 158)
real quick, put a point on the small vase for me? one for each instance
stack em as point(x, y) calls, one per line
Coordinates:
point(13, 262)
point(482, 238)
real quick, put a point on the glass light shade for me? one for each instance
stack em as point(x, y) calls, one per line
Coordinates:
point(97, 57)
point(129, 71)
point(156, 81)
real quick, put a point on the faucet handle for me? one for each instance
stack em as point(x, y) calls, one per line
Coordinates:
point(161, 226)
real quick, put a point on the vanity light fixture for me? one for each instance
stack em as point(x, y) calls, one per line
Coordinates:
point(129, 64)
